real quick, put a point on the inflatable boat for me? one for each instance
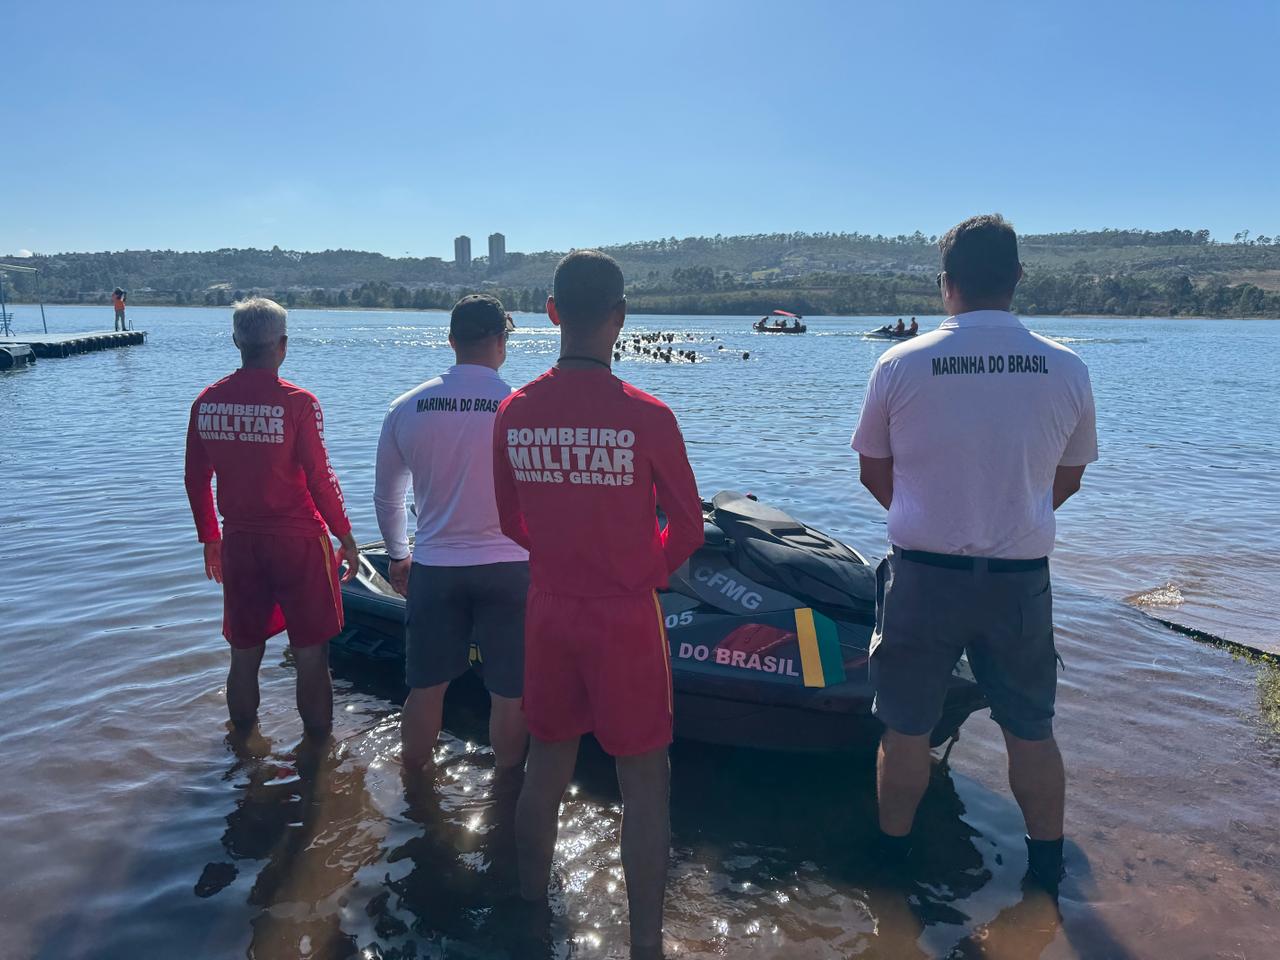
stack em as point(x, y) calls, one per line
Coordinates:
point(769, 625)
point(784, 321)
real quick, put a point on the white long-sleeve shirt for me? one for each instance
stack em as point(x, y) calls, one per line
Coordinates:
point(440, 436)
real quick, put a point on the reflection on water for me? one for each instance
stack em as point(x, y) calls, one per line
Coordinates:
point(138, 829)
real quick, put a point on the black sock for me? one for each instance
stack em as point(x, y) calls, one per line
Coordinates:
point(1044, 862)
point(890, 849)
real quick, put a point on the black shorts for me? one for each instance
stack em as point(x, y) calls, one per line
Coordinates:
point(452, 608)
point(927, 616)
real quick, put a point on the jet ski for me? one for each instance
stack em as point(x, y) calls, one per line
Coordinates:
point(888, 333)
point(769, 625)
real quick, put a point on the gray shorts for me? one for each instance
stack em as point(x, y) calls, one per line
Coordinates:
point(452, 608)
point(927, 616)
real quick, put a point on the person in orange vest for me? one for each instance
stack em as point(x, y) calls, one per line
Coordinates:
point(117, 300)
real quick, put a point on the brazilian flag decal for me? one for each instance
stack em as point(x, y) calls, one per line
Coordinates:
point(820, 658)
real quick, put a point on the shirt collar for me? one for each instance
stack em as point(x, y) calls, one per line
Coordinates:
point(980, 318)
point(473, 370)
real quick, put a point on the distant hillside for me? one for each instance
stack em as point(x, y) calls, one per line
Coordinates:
point(1176, 272)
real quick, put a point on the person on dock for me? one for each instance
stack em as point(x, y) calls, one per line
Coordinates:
point(279, 498)
point(464, 580)
point(118, 298)
point(971, 436)
point(582, 460)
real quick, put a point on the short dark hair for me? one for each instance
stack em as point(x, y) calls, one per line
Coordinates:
point(477, 316)
point(980, 257)
point(587, 286)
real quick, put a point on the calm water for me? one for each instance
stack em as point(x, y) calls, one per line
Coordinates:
point(130, 828)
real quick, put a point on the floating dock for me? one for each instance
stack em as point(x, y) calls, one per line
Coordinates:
point(65, 344)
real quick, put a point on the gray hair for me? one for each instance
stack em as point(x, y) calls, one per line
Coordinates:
point(257, 322)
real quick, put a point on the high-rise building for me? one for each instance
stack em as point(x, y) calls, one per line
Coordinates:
point(462, 251)
point(497, 250)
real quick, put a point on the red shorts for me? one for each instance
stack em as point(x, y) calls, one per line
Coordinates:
point(271, 583)
point(598, 665)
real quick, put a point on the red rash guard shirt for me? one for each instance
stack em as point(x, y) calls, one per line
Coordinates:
point(581, 462)
point(264, 438)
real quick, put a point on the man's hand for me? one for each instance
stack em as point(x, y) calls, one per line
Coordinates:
point(350, 555)
point(398, 575)
point(213, 560)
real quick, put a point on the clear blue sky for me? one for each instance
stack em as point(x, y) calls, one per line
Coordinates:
point(393, 126)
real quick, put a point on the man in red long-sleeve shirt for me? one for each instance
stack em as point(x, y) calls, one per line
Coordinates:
point(264, 438)
point(582, 461)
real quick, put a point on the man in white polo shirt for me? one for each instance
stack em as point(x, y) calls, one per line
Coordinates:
point(971, 436)
point(465, 582)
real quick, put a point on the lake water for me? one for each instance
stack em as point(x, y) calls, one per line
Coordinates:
point(130, 828)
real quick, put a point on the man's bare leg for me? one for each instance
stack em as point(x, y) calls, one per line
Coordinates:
point(902, 774)
point(420, 724)
point(547, 775)
point(314, 688)
point(646, 844)
point(1039, 784)
point(507, 731)
point(242, 686)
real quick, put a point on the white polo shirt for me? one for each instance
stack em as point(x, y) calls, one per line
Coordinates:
point(977, 416)
point(441, 434)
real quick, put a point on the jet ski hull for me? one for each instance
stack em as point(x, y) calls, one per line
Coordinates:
point(768, 624)
point(887, 335)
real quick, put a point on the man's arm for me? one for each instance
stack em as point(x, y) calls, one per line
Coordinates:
point(677, 492)
point(1066, 482)
point(510, 516)
point(198, 477)
point(871, 440)
point(876, 474)
point(390, 479)
point(322, 482)
point(1081, 449)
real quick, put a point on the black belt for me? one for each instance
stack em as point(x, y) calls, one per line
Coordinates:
point(953, 562)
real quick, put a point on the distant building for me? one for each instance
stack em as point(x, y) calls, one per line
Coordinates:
point(462, 251)
point(497, 251)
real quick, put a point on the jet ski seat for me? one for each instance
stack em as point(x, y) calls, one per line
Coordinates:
point(778, 551)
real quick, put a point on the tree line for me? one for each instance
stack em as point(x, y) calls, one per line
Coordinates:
point(698, 292)
point(1105, 272)
point(1043, 294)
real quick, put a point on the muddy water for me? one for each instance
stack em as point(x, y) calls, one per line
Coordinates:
point(133, 828)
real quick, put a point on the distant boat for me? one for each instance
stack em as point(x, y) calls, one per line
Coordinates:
point(779, 324)
point(888, 333)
